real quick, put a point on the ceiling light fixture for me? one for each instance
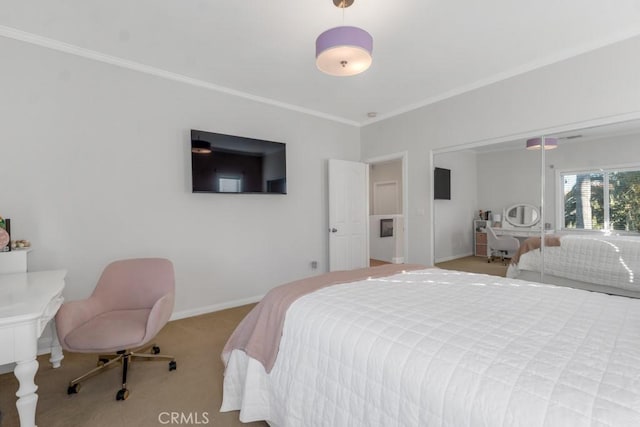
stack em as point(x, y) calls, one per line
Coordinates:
point(344, 51)
point(536, 143)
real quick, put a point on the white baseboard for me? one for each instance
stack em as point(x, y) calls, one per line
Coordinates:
point(183, 314)
point(450, 258)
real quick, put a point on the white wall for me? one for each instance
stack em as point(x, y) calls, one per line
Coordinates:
point(508, 177)
point(386, 172)
point(387, 248)
point(596, 85)
point(453, 236)
point(518, 171)
point(95, 166)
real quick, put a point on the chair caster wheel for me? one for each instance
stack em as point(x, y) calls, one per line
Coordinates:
point(155, 349)
point(172, 365)
point(122, 394)
point(102, 361)
point(73, 389)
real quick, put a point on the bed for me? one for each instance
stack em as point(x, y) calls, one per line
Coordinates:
point(432, 347)
point(597, 263)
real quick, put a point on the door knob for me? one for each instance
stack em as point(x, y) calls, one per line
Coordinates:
point(333, 230)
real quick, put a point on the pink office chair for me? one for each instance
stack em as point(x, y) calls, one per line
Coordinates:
point(132, 301)
point(500, 246)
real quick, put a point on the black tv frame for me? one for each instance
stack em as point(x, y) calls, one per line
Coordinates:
point(207, 147)
point(442, 184)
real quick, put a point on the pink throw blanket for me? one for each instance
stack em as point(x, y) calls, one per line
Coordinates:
point(533, 243)
point(259, 333)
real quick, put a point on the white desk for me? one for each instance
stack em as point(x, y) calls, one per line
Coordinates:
point(27, 302)
point(14, 261)
point(520, 233)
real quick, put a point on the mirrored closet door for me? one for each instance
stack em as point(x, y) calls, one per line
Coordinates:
point(582, 194)
point(592, 200)
point(495, 205)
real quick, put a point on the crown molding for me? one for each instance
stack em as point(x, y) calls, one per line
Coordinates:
point(13, 33)
point(23, 36)
point(532, 66)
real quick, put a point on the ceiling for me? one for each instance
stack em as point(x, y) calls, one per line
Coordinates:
point(424, 50)
point(630, 127)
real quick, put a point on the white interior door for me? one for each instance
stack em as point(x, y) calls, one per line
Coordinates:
point(348, 219)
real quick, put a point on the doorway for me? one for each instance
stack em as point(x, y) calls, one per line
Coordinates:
point(387, 209)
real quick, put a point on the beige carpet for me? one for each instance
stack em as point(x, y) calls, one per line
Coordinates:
point(195, 387)
point(475, 264)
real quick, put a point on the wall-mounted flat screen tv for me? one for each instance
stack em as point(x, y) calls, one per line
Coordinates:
point(442, 184)
point(233, 164)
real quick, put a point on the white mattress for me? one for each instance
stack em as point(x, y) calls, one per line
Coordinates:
point(436, 347)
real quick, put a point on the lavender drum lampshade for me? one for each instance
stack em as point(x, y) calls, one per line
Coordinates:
point(344, 51)
point(535, 143)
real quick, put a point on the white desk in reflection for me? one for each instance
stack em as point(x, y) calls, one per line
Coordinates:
point(520, 233)
point(27, 302)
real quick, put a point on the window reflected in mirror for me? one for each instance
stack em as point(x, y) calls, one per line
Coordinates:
point(606, 200)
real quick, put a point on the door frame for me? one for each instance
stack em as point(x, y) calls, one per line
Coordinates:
point(404, 156)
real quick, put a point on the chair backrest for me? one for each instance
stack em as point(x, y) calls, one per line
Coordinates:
point(492, 238)
point(135, 283)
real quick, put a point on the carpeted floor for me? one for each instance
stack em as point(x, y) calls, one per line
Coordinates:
point(193, 389)
point(475, 264)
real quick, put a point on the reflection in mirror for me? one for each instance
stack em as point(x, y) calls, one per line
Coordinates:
point(500, 176)
point(522, 215)
point(592, 198)
point(597, 180)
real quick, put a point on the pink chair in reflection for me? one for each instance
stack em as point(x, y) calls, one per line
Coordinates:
point(132, 301)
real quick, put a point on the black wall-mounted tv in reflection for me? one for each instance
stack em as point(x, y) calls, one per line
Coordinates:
point(233, 164)
point(442, 184)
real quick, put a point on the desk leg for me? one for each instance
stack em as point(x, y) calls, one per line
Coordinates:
point(25, 372)
point(56, 350)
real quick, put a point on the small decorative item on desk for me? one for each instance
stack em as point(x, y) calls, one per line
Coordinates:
point(497, 221)
point(4, 239)
point(5, 234)
point(20, 244)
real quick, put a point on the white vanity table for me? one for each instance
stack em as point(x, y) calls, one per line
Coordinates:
point(520, 234)
point(27, 302)
point(521, 221)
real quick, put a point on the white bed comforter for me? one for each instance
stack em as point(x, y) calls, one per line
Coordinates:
point(607, 261)
point(436, 347)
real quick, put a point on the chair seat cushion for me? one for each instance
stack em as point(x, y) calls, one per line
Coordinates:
point(109, 332)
